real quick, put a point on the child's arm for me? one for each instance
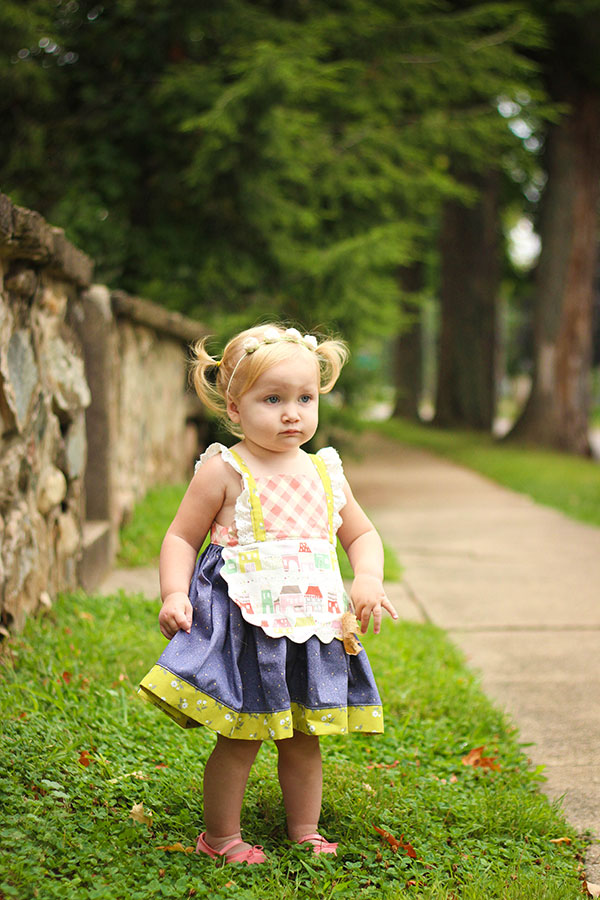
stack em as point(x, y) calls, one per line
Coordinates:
point(364, 549)
point(202, 501)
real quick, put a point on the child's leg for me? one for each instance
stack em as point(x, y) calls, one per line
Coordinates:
point(225, 777)
point(301, 779)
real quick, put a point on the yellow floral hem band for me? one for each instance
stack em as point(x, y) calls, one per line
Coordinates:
point(190, 707)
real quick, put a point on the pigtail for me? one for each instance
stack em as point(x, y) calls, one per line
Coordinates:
point(332, 354)
point(206, 376)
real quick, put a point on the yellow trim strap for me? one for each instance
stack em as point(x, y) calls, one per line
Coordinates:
point(258, 522)
point(324, 476)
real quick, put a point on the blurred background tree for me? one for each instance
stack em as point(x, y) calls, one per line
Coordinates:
point(334, 163)
point(558, 409)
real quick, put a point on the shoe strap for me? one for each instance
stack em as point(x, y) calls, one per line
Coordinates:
point(228, 846)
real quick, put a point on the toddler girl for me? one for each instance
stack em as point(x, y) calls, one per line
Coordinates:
point(257, 648)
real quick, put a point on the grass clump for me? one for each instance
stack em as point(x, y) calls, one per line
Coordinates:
point(565, 482)
point(79, 749)
point(141, 537)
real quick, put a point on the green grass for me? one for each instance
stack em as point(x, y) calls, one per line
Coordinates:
point(142, 536)
point(68, 688)
point(568, 483)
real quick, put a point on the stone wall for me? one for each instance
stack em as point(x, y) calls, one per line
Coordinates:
point(93, 411)
point(43, 397)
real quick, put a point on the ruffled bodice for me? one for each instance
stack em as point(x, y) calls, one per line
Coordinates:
point(293, 505)
point(279, 555)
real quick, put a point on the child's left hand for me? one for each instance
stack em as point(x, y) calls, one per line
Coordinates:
point(369, 598)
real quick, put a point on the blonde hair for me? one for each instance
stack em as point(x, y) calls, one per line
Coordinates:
point(239, 368)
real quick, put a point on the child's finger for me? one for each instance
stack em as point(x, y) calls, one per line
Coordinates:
point(377, 619)
point(365, 616)
point(166, 630)
point(389, 606)
point(183, 621)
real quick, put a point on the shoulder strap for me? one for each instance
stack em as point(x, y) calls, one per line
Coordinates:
point(258, 522)
point(324, 476)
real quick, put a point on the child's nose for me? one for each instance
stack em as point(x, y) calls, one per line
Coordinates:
point(290, 412)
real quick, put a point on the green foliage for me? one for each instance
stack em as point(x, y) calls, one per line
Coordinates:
point(243, 156)
point(67, 697)
point(141, 537)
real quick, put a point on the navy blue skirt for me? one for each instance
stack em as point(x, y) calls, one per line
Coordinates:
point(235, 679)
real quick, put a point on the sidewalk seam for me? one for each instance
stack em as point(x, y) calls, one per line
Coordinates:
point(417, 602)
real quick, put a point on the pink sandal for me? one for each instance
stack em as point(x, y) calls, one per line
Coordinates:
point(250, 856)
point(320, 845)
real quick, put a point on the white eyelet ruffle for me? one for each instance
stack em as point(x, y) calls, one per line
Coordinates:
point(335, 470)
point(243, 512)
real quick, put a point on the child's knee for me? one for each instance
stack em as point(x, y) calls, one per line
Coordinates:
point(240, 751)
point(300, 744)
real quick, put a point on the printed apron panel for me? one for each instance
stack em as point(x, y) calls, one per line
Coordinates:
point(292, 588)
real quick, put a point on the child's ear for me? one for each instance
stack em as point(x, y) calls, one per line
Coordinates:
point(232, 410)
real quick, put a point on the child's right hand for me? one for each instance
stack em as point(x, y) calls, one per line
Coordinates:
point(175, 615)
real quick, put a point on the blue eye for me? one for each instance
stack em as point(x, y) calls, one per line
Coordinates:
point(272, 399)
point(305, 398)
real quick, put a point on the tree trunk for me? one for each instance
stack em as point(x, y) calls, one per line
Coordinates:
point(557, 412)
point(470, 273)
point(408, 357)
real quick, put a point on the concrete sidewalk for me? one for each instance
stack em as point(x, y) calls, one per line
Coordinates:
point(517, 585)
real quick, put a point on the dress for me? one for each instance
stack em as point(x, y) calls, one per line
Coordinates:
point(265, 655)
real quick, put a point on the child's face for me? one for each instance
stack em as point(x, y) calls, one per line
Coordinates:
point(280, 412)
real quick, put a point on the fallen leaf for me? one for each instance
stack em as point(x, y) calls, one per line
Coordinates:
point(453, 779)
point(87, 616)
point(409, 849)
point(349, 631)
point(367, 787)
point(593, 889)
point(392, 841)
point(139, 814)
point(84, 759)
point(66, 677)
point(176, 848)
point(396, 844)
point(384, 765)
point(561, 840)
point(477, 760)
